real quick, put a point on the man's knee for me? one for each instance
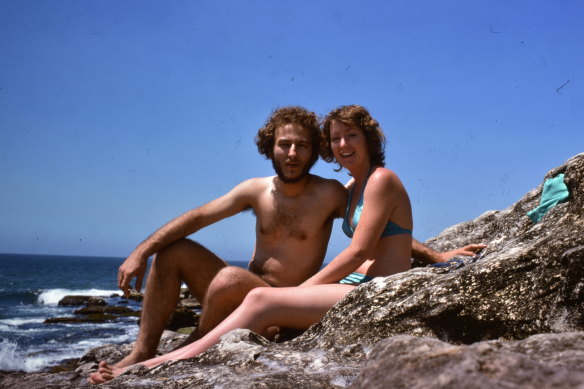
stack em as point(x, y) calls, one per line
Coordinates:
point(178, 251)
point(231, 278)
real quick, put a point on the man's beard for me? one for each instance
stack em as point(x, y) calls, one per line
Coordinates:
point(290, 180)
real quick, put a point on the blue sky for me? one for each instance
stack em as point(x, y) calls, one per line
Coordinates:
point(116, 116)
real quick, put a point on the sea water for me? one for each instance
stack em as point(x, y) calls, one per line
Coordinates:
point(30, 289)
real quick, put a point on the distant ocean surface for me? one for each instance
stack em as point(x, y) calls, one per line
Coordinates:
point(30, 289)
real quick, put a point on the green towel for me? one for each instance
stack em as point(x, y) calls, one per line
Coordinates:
point(554, 192)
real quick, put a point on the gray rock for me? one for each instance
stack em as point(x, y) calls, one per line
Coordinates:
point(529, 281)
point(540, 361)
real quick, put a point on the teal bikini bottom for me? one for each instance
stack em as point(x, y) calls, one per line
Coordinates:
point(355, 278)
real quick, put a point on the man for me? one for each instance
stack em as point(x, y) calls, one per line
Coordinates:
point(294, 215)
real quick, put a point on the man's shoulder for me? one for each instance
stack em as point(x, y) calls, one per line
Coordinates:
point(327, 183)
point(251, 188)
point(257, 182)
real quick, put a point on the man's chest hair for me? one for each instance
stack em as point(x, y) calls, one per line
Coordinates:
point(296, 218)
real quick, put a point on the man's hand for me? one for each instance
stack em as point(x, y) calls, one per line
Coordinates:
point(469, 251)
point(133, 266)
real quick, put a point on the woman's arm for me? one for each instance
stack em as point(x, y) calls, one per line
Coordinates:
point(384, 198)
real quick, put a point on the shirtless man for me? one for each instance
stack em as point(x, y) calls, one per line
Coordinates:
point(294, 215)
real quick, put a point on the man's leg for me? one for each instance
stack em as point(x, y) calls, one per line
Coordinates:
point(225, 293)
point(183, 260)
point(296, 307)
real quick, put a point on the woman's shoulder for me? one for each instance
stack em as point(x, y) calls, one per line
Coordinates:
point(385, 186)
point(382, 176)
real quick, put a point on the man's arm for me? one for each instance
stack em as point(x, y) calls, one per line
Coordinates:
point(425, 254)
point(237, 200)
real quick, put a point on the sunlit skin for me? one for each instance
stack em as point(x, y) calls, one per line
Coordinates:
point(292, 152)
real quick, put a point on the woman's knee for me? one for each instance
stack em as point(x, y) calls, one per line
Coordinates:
point(259, 298)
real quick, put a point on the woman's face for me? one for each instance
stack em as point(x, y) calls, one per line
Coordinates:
point(349, 145)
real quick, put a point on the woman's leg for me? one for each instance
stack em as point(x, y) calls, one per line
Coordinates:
point(295, 307)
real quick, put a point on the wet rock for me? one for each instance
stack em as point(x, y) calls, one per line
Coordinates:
point(69, 301)
point(182, 317)
point(136, 296)
point(114, 310)
point(191, 303)
point(93, 318)
point(96, 301)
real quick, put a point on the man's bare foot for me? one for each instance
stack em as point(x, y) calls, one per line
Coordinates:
point(132, 359)
point(105, 373)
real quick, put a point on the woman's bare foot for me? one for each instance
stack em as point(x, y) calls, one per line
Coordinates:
point(105, 373)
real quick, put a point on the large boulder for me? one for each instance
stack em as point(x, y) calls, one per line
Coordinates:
point(528, 281)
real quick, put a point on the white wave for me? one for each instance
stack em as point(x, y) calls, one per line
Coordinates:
point(8, 357)
point(14, 359)
point(18, 322)
point(53, 296)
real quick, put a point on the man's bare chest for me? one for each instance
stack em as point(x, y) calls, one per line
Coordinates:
point(281, 219)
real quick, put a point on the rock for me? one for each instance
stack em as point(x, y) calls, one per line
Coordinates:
point(182, 317)
point(186, 330)
point(112, 353)
point(69, 301)
point(540, 361)
point(114, 310)
point(246, 360)
point(192, 303)
point(528, 281)
point(94, 318)
point(96, 301)
point(513, 319)
point(136, 296)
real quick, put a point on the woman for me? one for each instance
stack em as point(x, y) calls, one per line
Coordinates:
point(378, 219)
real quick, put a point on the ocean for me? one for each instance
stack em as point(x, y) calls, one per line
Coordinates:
point(30, 289)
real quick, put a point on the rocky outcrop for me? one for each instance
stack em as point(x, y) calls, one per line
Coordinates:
point(540, 361)
point(69, 301)
point(98, 310)
point(512, 319)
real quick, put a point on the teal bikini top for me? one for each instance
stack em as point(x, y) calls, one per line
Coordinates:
point(390, 228)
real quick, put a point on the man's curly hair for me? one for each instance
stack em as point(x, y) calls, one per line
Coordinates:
point(286, 115)
point(357, 116)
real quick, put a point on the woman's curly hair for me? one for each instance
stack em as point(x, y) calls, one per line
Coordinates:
point(286, 115)
point(357, 116)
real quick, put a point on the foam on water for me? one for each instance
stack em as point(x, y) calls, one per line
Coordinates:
point(28, 298)
point(12, 359)
point(18, 321)
point(53, 296)
point(32, 358)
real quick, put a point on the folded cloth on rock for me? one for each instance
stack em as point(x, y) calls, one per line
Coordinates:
point(554, 192)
